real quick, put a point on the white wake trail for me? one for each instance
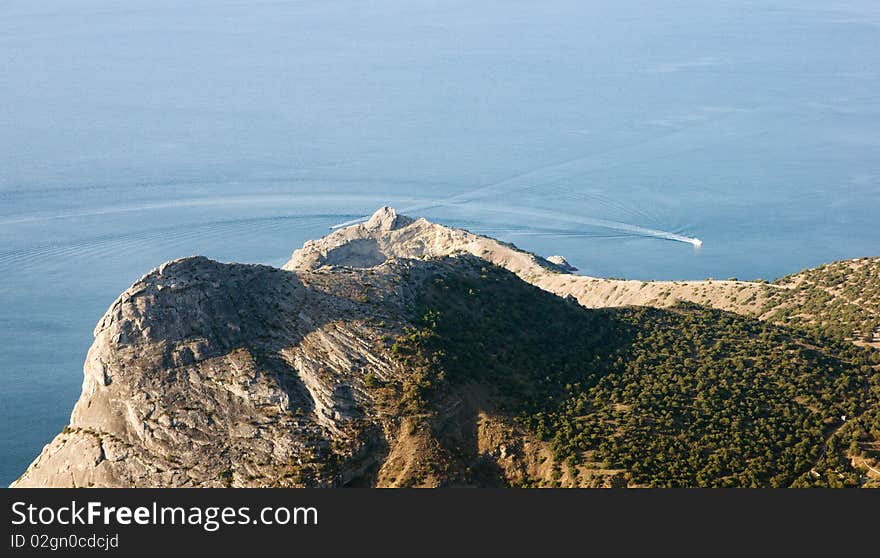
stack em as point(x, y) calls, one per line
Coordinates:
point(643, 231)
point(661, 145)
point(551, 215)
point(594, 222)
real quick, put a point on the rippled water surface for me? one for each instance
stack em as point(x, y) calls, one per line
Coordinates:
point(132, 133)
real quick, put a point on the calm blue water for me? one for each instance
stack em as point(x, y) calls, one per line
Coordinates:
point(132, 133)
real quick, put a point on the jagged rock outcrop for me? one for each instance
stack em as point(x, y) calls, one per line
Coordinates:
point(561, 262)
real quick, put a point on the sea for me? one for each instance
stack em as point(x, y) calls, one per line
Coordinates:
point(611, 132)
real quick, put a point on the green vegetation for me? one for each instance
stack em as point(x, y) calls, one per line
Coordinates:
point(371, 381)
point(681, 397)
point(426, 371)
point(841, 299)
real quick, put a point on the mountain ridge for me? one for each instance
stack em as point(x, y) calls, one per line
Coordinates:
point(342, 369)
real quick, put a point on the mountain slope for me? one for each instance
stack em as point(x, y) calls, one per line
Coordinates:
point(687, 396)
point(842, 298)
point(397, 354)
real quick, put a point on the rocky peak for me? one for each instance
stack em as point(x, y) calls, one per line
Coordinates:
point(386, 219)
point(561, 262)
point(388, 235)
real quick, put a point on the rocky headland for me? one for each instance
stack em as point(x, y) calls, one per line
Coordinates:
point(400, 352)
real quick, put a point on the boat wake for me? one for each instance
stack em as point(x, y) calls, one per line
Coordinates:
point(551, 216)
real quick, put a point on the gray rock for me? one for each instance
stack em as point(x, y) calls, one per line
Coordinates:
point(210, 374)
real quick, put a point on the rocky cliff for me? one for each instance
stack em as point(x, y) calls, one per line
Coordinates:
point(400, 352)
point(210, 374)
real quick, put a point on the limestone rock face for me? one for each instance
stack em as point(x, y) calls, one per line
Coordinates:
point(210, 374)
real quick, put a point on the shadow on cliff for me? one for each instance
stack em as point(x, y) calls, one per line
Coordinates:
point(505, 348)
point(520, 347)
